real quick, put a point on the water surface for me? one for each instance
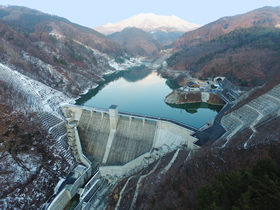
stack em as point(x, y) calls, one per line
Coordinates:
point(142, 91)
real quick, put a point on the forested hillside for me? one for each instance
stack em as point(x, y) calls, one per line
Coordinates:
point(246, 56)
point(53, 50)
point(31, 164)
point(136, 42)
point(266, 16)
point(29, 22)
point(165, 38)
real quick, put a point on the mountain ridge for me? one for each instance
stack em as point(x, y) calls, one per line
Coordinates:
point(243, 48)
point(136, 41)
point(268, 16)
point(148, 22)
point(53, 50)
point(26, 21)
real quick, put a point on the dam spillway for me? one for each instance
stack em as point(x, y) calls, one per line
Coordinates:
point(94, 130)
point(132, 137)
point(123, 140)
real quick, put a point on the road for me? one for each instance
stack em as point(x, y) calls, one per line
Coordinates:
point(215, 131)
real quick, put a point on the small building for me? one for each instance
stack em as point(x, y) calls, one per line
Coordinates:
point(193, 86)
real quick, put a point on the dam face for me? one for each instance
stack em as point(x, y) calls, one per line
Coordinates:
point(123, 140)
point(131, 138)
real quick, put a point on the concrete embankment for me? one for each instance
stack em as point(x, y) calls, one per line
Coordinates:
point(181, 97)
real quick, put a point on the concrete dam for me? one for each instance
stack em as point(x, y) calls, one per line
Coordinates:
point(121, 141)
point(107, 145)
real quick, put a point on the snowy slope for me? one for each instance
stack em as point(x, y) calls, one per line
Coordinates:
point(39, 97)
point(148, 22)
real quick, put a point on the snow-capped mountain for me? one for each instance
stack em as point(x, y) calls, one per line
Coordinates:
point(148, 22)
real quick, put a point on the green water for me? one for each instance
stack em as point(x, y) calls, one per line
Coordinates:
point(142, 91)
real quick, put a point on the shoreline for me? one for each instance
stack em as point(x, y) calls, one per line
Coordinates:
point(191, 97)
point(197, 103)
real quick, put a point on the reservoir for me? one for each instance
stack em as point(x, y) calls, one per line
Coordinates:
point(141, 90)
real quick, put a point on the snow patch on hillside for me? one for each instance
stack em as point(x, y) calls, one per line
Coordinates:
point(39, 96)
point(127, 64)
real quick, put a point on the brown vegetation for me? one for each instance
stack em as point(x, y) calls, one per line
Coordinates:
point(215, 99)
point(190, 97)
point(29, 22)
point(243, 48)
point(178, 188)
point(136, 42)
point(267, 16)
point(60, 60)
point(247, 57)
point(23, 136)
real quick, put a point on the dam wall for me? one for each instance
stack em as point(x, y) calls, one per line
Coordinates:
point(121, 142)
point(94, 130)
point(172, 135)
point(132, 139)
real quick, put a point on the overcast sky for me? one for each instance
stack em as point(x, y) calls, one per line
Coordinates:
point(92, 13)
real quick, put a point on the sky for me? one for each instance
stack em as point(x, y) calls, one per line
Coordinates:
point(92, 13)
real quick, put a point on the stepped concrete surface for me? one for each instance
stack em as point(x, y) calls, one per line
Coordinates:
point(250, 114)
point(265, 104)
point(275, 92)
point(57, 128)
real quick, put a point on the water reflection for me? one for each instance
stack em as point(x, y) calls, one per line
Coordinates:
point(133, 75)
point(193, 107)
point(142, 90)
point(171, 83)
point(136, 73)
